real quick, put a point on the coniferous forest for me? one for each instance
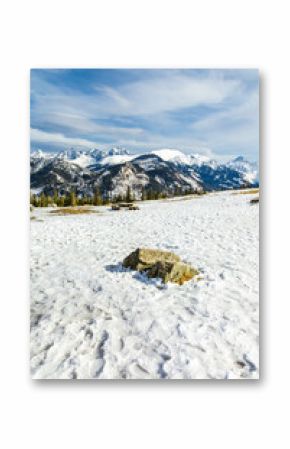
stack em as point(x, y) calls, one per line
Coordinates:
point(71, 199)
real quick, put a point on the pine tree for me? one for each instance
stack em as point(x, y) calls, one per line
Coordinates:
point(43, 200)
point(66, 199)
point(34, 200)
point(61, 201)
point(72, 199)
point(143, 194)
point(55, 197)
point(97, 200)
point(128, 195)
point(106, 199)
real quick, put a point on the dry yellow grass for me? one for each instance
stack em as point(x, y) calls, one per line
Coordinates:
point(73, 211)
point(247, 192)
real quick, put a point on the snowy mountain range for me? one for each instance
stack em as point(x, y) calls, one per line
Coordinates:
point(112, 171)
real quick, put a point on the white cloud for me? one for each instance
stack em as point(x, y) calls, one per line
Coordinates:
point(58, 139)
point(169, 93)
point(234, 129)
point(156, 95)
point(78, 122)
point(245, 110)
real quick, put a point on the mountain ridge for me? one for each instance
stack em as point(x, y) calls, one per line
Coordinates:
point(113, 171)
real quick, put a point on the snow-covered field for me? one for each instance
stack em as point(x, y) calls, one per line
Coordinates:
point(90, 318)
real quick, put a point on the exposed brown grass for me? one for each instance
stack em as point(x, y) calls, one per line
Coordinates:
point(33, 218)
point(247, 192)
point(73, 211)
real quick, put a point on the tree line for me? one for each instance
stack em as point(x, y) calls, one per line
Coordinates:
point(98, 199)
point(68, 199)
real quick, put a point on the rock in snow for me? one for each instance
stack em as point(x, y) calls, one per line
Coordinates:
point(255, 200)
point(143, 258)
point(177, 272)
point(160, 264)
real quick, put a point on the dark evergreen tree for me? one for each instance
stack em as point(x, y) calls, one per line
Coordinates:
point(67, 201)
point(34, 200)
point(128, 195)
point(143, 194)
point(97, 200)
point(55, 197)
point(43, 200)
point(106, 199)
point(72, 199)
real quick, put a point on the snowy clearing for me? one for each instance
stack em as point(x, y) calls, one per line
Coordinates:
point(90, 318)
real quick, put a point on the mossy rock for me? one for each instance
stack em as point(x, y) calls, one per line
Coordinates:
point(160, 264)
point(144, 258)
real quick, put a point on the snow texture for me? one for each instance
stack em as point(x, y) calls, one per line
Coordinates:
point(91, 318)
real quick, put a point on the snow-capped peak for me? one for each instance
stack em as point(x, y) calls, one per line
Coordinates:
point(82, 158)
point(117, 151)
point(178, 157)
point(241, 162)
point(172, 155)
point(200, 159)
point(40, 154)
point(114, 156)
point(250, 170)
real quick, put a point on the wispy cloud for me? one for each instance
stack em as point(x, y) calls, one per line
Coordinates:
point(246, 110)
point(58, 139)
point(234, 127)
point(80, 123)
point(165, 94)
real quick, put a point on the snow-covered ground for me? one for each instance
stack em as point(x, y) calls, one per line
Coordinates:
point(92, 319)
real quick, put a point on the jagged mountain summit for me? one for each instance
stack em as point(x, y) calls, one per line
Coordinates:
point(249, 169)
point(113, 171)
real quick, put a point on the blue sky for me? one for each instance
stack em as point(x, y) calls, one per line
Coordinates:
point(213, 112)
